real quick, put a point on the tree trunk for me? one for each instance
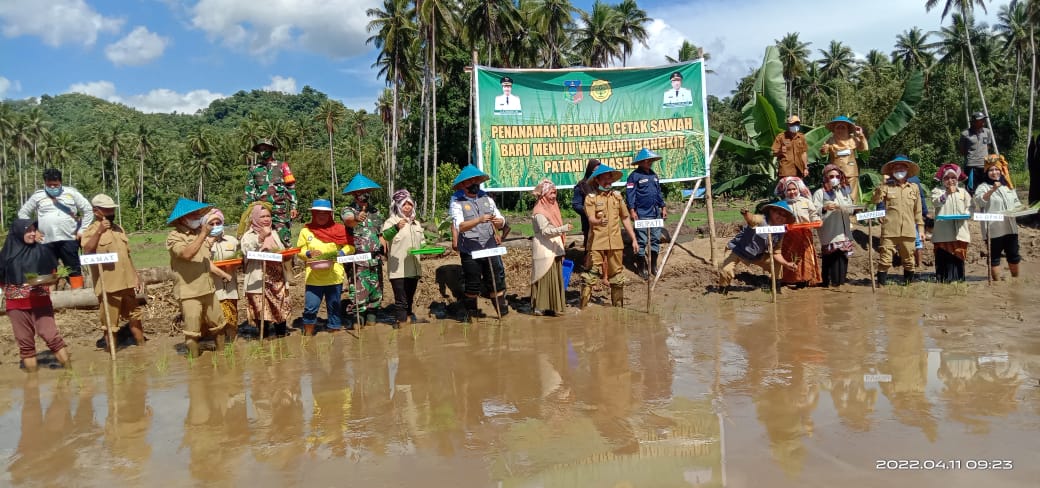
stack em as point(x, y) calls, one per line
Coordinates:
point(1034, 151)
point(978, 82)
point(140, 192)
point(426, 146)
point(332, 168)
point(115, 167)
point(1014, 92)
point(433, 98)
point(393, 141)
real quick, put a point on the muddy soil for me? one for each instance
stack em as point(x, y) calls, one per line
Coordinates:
point(925, 385)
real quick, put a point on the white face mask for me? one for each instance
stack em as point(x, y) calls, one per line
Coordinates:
point(193, 223)
point(794, 128)
point(899, 175)
point(835, 182)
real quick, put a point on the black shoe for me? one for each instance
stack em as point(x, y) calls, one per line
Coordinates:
point(908, 277)
point(641, 270)
point(653, 264)
point(882, 278)
point(503, 306)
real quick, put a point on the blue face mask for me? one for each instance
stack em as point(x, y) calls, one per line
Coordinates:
point(216, 230)
point(52, 192)
point(603, 188)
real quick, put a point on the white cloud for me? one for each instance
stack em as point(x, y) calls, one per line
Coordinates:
point(155, 101)
point(264, 27)
point(282, 84)
point(740, 31)
point(8, 85)
point(57, 22)
point(139, 47)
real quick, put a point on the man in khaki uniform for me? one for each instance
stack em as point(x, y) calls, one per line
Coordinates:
point(120, 278)
point(903, 220)
point(607, 213)
point(791, 150)
point(189, 244)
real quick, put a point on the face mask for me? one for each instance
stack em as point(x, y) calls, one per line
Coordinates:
point(474, 188)
point(835, 182)
point(109, 218)
point(193, 223)
point(603, 188)
point(53, 192)
point(792, 199)
point(216, 230)
point(794, 128)
point(899, 175)
point(265, 155)
point(363, 198)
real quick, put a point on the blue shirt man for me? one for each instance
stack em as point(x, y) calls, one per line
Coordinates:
point(645, 201)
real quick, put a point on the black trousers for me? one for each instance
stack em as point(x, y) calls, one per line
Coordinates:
point(478, 275)
point(68, 253)
point(835, 268)
point(948, 268)
point(404, 295)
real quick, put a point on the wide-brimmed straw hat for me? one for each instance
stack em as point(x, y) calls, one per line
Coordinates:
point(468, 173)
point(912, 168)
point(645, 154)
point(184, 207)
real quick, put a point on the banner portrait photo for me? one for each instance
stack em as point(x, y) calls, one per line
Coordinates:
point(536, 124)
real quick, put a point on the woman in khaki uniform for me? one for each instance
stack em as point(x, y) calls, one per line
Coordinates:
point(607, 213)
point(840, 149)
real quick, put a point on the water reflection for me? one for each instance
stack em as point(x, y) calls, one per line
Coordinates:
point(610, 400)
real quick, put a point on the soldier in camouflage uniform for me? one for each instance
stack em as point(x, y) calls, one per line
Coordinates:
point(364, 223)
point(272, 181)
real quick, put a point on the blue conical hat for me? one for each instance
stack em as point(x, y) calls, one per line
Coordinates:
point(604, 169)
point(360, 182)
point(468, 173)
point(782, 205)
point(645, 154)
point(184, 207)
point(841, 119)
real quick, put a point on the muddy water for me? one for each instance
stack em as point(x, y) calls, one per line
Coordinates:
point(817, 390)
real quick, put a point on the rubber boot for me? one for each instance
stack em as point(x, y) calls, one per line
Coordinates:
point(586, 295)
point(882, 278)
point(193, 346)
point(908, 277)
point(617, 295)
point(640, 262)
point(503, 305)
point(1014, 269)
point(653, 263)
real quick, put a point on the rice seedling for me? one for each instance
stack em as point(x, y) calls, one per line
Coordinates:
point(416, 332)
point(162, 362)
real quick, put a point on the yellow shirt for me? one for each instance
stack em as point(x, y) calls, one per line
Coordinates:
point(334, 275)
point(613, 208)
point(117, 276)
point(193, 278)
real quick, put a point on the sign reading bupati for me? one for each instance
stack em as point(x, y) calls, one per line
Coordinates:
point(538, 124)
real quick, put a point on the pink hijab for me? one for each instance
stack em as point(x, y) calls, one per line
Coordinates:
point(254, 223)
point(549, 208)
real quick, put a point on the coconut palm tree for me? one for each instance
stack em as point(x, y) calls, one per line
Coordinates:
point(145, 145)
point(7, 122)
point(966, 8)
point(394, 31)
point(794, 55)
point(954, 48)
point(37, 129)
point(913, 50)
point(1013, 29)
point(875, 65)
point(837, 63)
point(490, 21)
point(599, 40)
point(357, 125)
point(112, 140)
point(331, 114)
point(632, 22)
point(200, 147)
point(554, 19)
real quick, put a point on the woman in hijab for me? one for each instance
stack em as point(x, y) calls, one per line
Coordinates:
point(950, 238)
point(403, 232)
point(841, 149)
point(581, 189)
point(547, 293)
point(996, 194)
point(798, 243)
point(260, 236)
point(320, 238)
point(834, 201)
point(29, 306)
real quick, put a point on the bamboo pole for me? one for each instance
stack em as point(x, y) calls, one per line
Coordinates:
point(108, 318)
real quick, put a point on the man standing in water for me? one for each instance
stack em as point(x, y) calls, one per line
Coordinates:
point(272, 181)
point(476, 218)
point(607, 214)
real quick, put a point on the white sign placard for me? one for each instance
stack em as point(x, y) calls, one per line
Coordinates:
point(264, 256)
point(877, 378)
point(877, 214)
point(649, 223)
point(103, 258)
point(487, 253)
point(771, 229)
point(987, 217)
point(354, 258)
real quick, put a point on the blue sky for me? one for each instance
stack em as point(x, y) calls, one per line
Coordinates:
point(179, 55)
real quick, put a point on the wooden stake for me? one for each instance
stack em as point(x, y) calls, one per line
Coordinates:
point(989, 254)
point(357, 285)
point(263, 298)
point(708, 200)
point(494, 288)
point(870, 255)
point(772, 269)
point(108, 318)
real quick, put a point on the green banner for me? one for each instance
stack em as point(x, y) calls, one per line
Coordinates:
point(538, 124)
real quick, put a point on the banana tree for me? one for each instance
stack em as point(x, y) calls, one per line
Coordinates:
point(764, 117)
